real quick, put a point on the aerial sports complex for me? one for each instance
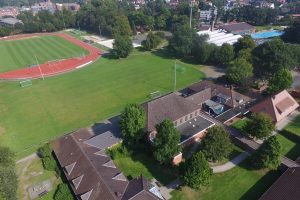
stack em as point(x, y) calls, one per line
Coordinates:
point(41, 55)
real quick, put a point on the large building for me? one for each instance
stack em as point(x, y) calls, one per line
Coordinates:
point(241, 28)
point(92, 174)
point(188, 110)
point(220, 37)
point(278, 106)
point(9, 22)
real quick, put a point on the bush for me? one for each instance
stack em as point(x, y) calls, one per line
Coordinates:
point(216, 145)
point(63, 192)
point(49, 163)
point(45, 151)
point(196, 172)
point(268, 155)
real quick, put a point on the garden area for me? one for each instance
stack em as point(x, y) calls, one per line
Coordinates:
point(238, 183)
point(136, 163)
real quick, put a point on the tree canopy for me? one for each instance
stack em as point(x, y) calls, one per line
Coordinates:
point(239, 71)
point(245, 42)
point(268, 155)
point(195, 172)
point(122, 46)
point(281, 80)
point(132, 123)
point(182, 40)
point(63, 192)
point(152, 41)
point(260, 126)
point(272, 56)
point(166, 143)
point(225, 54)
point(292, 33)
point(216, 145)
point(8, 177)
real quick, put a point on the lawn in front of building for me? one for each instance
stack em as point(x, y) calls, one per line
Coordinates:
point(294, 126)
point(135, 163)
point(238, 183)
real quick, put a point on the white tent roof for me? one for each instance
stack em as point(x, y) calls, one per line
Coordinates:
point(220, 37)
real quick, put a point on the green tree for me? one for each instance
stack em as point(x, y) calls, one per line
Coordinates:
point(195, 172)
point(63, 192)
point(292, 33)
point(239, 71)
point(261, 126)
point(268, 155)
point(245, 42)
point(122, 46)
point(216, 145)
point(132, 123)
point(181, 41)
point(8, 177)
point(245, 54)
point(121, 26)
point(272, 56)
point(225, 54)
point(166, 143)
point(152, 41)
point(281, 80)
point(202, 51)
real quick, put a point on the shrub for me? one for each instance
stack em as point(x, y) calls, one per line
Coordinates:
point(63, 192)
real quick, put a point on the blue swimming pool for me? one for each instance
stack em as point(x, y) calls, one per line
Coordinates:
point(266, 34)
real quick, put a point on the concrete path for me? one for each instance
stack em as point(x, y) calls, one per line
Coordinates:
point(212, 72)
point(231, 164)
point(166, 190)
point(27, 158)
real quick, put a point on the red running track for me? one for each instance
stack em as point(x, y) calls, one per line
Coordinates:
point(54, 67)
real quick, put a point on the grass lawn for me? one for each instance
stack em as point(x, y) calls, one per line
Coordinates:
point(31, 172)
point(238, 183)
point(134, 164)
point(21, 53)
point(240, 125)
point(290, 145)
point(50, 108)
point(294, 126)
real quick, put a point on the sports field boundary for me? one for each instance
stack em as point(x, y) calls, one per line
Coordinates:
point(59, 67)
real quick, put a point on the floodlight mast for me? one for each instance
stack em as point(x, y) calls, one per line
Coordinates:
point(39, 67)
point(175, 66)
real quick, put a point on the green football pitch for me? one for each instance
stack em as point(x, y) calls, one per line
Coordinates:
point(50, 108)
point(27, 52)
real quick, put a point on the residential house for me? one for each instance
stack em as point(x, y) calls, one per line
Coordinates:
point(241, 28)
point(92, 174)
point(277, 106)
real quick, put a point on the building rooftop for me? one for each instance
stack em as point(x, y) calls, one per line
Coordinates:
point(287, 186)
point(193, 126)
point(277, 106)
point(233, 27)
point(170, 106)
point(10, 20)
point(91, 173)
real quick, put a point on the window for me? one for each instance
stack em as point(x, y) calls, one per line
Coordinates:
point(186, 118)
point(195, 113)
point(191, 116)
point(181, 121)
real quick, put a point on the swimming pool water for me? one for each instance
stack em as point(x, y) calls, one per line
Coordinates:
point(266, 34)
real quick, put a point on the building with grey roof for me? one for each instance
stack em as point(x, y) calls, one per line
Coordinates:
point(9, 22)
point(93, 175)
